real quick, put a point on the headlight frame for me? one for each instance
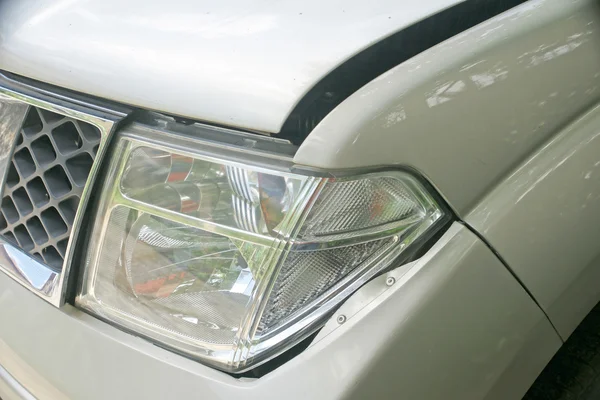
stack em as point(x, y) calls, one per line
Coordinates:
point(268, 156)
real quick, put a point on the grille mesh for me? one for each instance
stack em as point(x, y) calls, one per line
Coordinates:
point(50, 166)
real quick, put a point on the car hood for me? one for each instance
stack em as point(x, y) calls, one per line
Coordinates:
point(243, 63)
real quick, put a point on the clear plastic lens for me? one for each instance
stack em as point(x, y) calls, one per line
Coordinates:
point(223, 194)
point(231, 264)
point(350, 205)
point(305, 275)
point(173, 278)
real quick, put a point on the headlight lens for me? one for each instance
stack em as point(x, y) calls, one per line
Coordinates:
point(231, 263)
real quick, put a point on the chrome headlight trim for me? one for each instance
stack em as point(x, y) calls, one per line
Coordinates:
point(235, 150)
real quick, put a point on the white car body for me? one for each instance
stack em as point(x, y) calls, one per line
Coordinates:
point(234, 63)
point(498, 118)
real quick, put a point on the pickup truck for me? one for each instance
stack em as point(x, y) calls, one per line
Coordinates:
point(299, 199)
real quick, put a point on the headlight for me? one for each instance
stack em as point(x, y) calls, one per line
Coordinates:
point(232, 259)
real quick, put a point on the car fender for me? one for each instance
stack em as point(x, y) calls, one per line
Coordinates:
point(493, 119)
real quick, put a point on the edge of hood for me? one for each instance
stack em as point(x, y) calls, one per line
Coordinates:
point(234, 63)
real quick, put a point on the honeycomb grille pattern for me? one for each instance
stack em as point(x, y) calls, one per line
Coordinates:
point(51, 162)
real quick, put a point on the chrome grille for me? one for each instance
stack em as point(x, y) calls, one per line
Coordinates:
point(50, 165)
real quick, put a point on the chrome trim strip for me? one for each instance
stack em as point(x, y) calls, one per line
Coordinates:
point(12, 115)
point(14, 386)
point(39, 278)
point(27, 270)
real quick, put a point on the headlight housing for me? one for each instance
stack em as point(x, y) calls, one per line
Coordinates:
point(229, 257)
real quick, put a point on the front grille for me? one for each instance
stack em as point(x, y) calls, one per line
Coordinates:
point(50, 165)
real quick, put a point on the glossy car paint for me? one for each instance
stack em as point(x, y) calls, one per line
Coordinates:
point(544, 219)
point(468, 111)
point(486, 125)
point(239, 63)
point(384, 349)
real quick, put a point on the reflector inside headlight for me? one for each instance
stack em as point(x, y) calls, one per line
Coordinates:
point(231, 263)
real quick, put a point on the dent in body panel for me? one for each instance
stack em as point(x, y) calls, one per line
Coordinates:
point(544, 219)
point(464, 113)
